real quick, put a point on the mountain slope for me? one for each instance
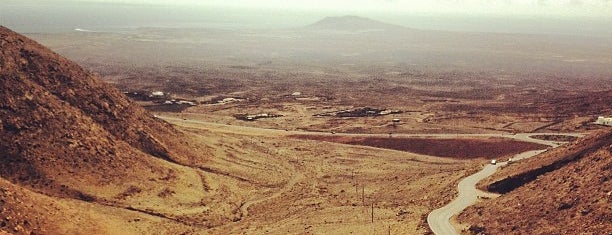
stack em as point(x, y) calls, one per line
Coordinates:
point(68, 138)
point(64, 80)
point(571, 197)
point(28, 212)
point(54, 112)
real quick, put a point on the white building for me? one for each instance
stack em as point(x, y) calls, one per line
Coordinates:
point(186, 102)
point(606, 121)
point(229, 100)
point(157, 94)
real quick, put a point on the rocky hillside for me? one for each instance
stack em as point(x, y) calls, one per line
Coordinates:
point(67, 137)
point(565, 191)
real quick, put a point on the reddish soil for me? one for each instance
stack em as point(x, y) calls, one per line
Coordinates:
point(562, 138)
point(464, 148)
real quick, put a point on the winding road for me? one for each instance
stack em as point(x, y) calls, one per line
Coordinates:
point(439, 219)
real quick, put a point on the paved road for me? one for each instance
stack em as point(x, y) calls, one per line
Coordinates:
point(439, 219)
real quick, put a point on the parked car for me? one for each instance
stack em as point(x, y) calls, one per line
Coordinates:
point(493, 162)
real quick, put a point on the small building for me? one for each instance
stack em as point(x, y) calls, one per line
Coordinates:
point(157, 94)
point(606, 121)
point(191, 103)
point(297, 93)
point(396, 120)
point(389, 111)
point(228, 100)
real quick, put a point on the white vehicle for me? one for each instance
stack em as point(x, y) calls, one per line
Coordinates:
point(493, 162)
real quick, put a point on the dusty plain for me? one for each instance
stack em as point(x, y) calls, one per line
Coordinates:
point(262, 179)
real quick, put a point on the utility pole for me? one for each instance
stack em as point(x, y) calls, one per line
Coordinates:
point(362, 195)
point(355, 182)
point(372, 212)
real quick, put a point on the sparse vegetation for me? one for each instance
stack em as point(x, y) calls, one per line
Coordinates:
point(78, 156)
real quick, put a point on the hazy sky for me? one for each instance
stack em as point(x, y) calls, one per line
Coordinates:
point(585, 8)
point(576, 17)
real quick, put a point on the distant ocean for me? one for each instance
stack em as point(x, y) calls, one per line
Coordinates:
point(43, 16)
point(64, 17)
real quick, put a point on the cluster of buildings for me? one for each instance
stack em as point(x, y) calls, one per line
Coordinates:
point(229, 100)
point(253, 117)
point(366, 112)
point(180, 102)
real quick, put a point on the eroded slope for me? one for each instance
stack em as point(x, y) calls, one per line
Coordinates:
point(64, 135)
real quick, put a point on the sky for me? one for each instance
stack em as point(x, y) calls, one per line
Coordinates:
point(576, 17)
point(555, 8)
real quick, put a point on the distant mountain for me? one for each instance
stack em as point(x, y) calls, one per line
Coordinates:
point(353, 23)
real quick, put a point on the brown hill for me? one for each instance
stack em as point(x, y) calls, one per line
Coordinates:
point(565, 191)
point(65, 135)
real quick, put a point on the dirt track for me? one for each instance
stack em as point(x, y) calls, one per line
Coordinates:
point(328, 188)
